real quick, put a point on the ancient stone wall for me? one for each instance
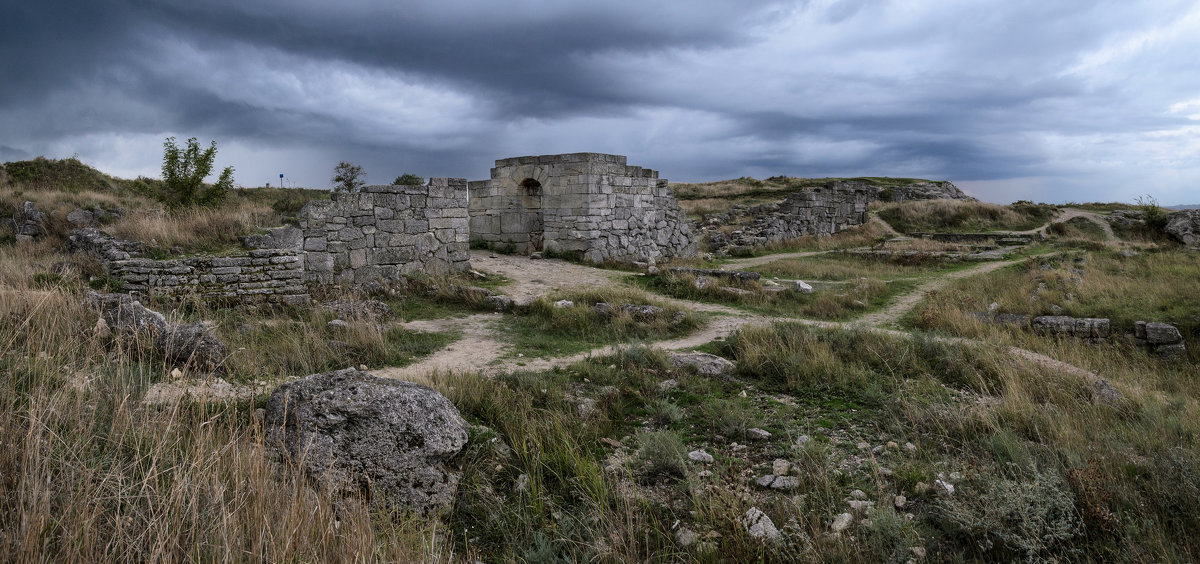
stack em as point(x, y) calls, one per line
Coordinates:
point(590, 205)
point(386, 232)
point(268, 275)
point(260, 275)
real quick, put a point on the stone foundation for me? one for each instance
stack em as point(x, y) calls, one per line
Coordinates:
point(589, 205)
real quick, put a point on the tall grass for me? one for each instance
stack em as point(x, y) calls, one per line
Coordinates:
point(91, 474)
point(963, 216)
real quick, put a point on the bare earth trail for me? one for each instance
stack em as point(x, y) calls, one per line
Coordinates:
point(483, 350)
point(1066, 214)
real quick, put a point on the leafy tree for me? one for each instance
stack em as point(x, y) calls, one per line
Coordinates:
point(184, 170)
point(348, 177)
point(407, 179)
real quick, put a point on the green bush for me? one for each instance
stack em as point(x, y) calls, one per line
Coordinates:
point(184, 171)
point(407, 179)
point(661, 454)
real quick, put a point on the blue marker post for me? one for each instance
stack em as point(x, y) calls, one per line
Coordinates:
point(281, 180)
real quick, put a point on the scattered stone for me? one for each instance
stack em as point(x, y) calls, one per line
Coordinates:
point(860, 506)
point(892, 445)
point(877, 450)
point(535, 255)
point(101, 330)
point(943, 487)
point(668, 385)
point(353, 432)
point(780, 467)
point(863, 445)
point(700, 456)
point(337, 325)
point(921, 488)
point(910, 448)
point(802, 287)
point(685, 537)
point(738, 292)
point(586, 408)
point(1104, 392)
point(785, 483)
point(900, 501)
point(759, 525)
point(176, 374)
point(885, 472)
point(802, 440)
point(522, 484)
point(642, 312)
point(858, 494)
point(841, 522)
point(190, 344)
point(704, 473)
point(765, 480)
point(1127, 253)
point(705, 364)
point(500, 302)
point(562, 304)
point(81, 218)
point(756, 434)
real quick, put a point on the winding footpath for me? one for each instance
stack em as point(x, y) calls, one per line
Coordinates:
point(482, 349)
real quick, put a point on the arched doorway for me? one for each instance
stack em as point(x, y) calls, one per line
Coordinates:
point(531, 202)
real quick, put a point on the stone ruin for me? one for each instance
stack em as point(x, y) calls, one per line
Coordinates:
point(589, 205)
point(818, 211)
point(386, 232)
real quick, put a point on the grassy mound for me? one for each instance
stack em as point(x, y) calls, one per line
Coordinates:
point(960, 216)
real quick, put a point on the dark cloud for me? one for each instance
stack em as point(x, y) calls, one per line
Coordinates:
point(1072, 95)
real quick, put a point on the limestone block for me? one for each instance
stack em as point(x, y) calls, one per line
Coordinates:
point(1162, 334)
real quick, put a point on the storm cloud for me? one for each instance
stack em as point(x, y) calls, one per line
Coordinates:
point(1010, 99)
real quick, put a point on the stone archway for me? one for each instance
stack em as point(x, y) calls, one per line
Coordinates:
point(531, 204)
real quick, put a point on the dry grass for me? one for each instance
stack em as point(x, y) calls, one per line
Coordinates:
point(845, 266)
point(196, 229)
point(962, 216)
point(91, 474)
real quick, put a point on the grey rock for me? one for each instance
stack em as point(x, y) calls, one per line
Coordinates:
point(704, 364)
point(785, 483)
point(700, 456)
point(563, 304)
point(1184, 226)
point(668, 385)
point(802, 287)
point(756, 434)
point(354, 433)
point(192, 345)
point(1104, 392)
point(841, 522)
point(500, 302)
point(642, 312)
point(337, 325)
point(1162, 334)
point(759, 525)
point(81, 218)
point(765, 480)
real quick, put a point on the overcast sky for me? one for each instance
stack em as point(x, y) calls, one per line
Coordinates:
point(1049, 100)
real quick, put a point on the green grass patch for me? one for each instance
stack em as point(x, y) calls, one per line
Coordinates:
point(544, 329)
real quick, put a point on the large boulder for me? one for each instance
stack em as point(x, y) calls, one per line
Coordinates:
point(358, 434)
point(193, 345)
point(1184, 226)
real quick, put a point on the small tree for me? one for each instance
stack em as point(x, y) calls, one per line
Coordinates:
point(184, 171)
point(348, 177)
point(1156, 218)
point(407, 179)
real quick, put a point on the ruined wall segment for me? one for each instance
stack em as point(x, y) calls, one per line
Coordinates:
point(592, 205)
point(386, 232)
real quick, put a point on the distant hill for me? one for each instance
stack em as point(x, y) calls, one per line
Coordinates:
point(1184, 207)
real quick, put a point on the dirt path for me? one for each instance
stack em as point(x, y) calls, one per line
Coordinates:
point(906, 302)
point(1067, 214)
point(482, 349)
